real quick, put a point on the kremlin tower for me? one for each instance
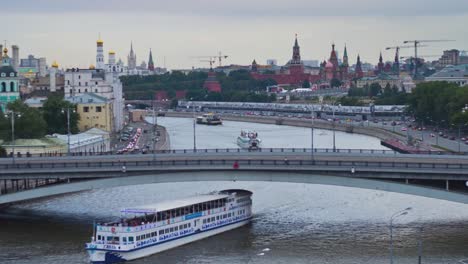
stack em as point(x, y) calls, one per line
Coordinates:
point(380, 65)
point(131, 59)
point(150, 62)
point(100, 54)
point(358, 73)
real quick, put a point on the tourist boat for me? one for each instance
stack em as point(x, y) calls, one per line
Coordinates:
point(149, 229)
point(248, 140)
point(209, 119)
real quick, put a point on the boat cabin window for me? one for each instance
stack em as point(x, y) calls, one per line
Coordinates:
point(161, 232)
point(130, 239)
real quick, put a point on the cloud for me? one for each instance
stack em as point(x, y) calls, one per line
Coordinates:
point(247, 8)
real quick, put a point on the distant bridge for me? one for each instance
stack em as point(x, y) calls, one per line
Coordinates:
point(436, 176)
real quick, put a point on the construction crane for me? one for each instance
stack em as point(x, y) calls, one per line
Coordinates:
point(211, 61)
point(397, 48)
point(220, 57)
point(417, 44)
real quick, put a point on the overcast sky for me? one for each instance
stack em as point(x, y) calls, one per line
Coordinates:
point(176, 30)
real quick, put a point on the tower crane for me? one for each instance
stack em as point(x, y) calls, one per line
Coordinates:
point(211, 61)
point(417, 44)
point(220, 57)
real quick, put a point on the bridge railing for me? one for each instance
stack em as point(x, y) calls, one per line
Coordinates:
point(223, 163)
point(239, 150)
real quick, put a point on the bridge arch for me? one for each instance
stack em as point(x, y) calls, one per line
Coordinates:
point(258, 176)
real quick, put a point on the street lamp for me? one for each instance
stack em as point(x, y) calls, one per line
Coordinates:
point(194, 123)
point(68, 127)
point(13, 115)
point(395, 215)
point(312, 133)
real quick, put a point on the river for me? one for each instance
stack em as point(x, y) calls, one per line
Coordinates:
point(293, 223)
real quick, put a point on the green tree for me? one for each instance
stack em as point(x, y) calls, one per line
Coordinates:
point(306, 84)
point(55, 115)
point(30, 123)
point(335, 83)
point(374, 89)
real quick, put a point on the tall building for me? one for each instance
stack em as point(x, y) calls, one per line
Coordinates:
point(450, 57)
point(150, 62)
point(132, 59)
point(101, 82)
point(15, 57)
point(9, 82)
point(100, 54)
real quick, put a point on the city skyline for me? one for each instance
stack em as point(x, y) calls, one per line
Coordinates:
point(67, 31)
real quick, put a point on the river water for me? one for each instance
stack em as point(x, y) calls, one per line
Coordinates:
point(293, 223)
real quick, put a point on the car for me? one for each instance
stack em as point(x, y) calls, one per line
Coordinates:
point(441, 133)
point(452, 138)
point(463, 139)
point(124, 138)
point(394, 123)
point(445, 136)
point(404, 129)
point(466, 142)
point(432, 135)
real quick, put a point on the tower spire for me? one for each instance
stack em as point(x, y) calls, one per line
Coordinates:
point(150, 61)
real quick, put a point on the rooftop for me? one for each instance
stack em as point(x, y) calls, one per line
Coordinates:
point(87, 98)
point(451, 71)
point(167, 205)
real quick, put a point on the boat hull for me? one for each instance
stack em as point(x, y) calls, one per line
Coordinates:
point(107, 257)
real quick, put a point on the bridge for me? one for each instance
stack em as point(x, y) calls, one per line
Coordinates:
point(435, 176)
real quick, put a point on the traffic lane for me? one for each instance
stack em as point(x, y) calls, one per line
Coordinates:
point(254, 156)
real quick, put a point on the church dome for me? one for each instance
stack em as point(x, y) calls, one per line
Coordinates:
point(5, 50)
point(100, 41)
point(329, 65)
point(55, 64)
point(92, 67)
point(111, 52)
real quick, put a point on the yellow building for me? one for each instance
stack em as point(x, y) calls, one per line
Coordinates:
point(95, 111)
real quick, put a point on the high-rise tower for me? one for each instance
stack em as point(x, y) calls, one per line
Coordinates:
point(53, 76)
point(150, 62)
point(100, 54)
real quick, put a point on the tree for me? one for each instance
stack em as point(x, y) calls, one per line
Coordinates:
point(306, 84)
point(5, 128)
point(374, 89)
point(335, 83)
point(55, 115)
point(30, 124)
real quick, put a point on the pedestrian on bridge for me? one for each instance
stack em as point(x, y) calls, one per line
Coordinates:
point(235, 165)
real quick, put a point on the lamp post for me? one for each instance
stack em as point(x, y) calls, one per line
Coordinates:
point(395, 215)
point(68, 127)
point(312, 133)
point(13, 115)
point(194, 130)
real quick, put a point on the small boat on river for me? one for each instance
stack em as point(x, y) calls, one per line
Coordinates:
point(209, 119)
point(248, 140)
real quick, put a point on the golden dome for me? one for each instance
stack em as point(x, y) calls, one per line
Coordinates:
point(5, 50)
point(111, 52)
point(100, 41)
point(55, 64)
point(91, 67)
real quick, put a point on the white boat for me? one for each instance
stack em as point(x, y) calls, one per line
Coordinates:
point(159, 227)
point(248, 140)
point(209, 119)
